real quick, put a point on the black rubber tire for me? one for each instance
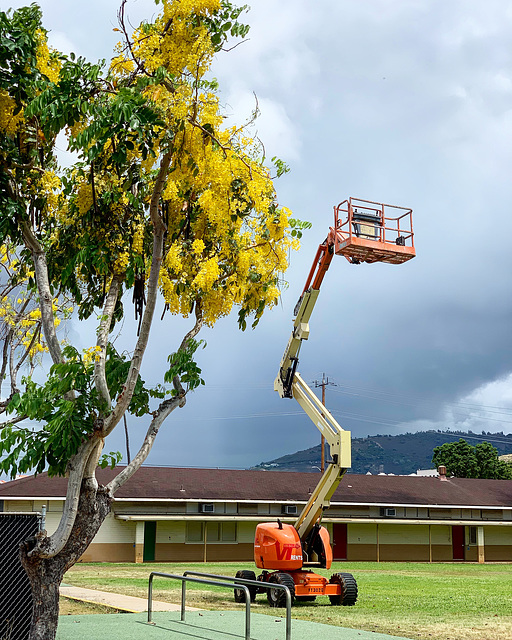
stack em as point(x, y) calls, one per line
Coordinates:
point(240, 593)
point(277, 597)
point(348, 596)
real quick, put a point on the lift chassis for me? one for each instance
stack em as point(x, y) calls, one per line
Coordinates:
point(363, 231)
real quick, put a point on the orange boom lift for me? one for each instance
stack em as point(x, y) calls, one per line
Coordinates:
point(363, 231)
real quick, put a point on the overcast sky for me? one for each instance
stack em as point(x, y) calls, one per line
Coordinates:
point(406, 102)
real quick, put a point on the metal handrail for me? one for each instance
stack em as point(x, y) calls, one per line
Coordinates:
point(184, 579)
point(255, 583)
point(388, 223)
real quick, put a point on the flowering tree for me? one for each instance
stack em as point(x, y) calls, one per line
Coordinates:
point(164, 202)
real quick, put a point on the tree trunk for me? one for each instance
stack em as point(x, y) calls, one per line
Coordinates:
point(45, 574)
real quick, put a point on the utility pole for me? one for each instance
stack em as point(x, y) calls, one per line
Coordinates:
point(323, 384)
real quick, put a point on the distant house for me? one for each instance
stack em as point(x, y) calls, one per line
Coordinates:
point(195, 515)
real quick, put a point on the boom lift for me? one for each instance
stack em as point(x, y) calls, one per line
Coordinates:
point(363, 231)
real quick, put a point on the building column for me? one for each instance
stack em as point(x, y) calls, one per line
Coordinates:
point(139, 541)
point(481, 544)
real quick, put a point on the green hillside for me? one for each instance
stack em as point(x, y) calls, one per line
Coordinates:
point(401, 454)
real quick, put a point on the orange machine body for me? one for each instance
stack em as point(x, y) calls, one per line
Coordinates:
point(277, 547)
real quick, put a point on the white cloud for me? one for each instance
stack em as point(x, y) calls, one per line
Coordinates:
point(273, 126)
point(486, 408)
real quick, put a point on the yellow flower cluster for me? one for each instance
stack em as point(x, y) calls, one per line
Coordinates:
point(185, 51)
point(23, 326)
point(198, 246)
point(173, 260)
point(92, 354)
point(184, 8)
point(49, 187)
point(120, 66)
point(175, 41)
point(233, 206)
point(121, 262)
point(227, 242)
point(138, 240)
point(9, 121)
point(47, 61)
point(207, 276)
point(84, 199)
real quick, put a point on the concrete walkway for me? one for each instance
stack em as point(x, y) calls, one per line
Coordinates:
point(129, 604)
point(204, 625)
point(198, 624)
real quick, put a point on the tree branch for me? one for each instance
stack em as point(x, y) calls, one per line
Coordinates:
point(197, 326)
point(35, 338)
point(92, 462)
point(50, 546)
point(100, 379)
point(164, 410)
point(12, 421)
point(45, 296)
point(5, 353)
point(159, 229)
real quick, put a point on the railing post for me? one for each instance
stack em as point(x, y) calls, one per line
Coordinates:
point(256, 583)
point(183, 596)
point(150, 596)
point(184, 579)
point(288, 613)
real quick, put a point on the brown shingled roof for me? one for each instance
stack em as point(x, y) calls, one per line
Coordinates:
point(230, 485)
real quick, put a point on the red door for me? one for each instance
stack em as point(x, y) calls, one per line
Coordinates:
point(339, 541)
point(458, 542)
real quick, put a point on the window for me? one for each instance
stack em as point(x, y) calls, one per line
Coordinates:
point(492, 514)
point(194, 532)
point(215, 532)
point(290, 509)
point(472, 535)
point(229, 532)
point(247, 509)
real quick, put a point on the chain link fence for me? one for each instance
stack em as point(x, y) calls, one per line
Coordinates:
point(15, 594)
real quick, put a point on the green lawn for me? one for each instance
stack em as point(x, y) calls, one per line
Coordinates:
point(430, 601)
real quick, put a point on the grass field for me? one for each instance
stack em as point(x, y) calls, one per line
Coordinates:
point(71, 607)
point(427, 601)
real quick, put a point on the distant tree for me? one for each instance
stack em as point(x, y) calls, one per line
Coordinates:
point(463, 460)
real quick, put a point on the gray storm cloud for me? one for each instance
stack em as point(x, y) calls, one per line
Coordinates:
point(408, 103)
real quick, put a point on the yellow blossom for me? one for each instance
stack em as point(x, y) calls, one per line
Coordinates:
point(47, 61)
point(198, 246)
point(9, 121)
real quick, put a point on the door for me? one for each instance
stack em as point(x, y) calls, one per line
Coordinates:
point(339, 541)
point(458, 542)
point(149, 541)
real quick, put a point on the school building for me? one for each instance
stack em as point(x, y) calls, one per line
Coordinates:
point(195, 515)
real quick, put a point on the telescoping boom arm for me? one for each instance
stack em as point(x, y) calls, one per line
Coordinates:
point(289, 384)
point(364, 231)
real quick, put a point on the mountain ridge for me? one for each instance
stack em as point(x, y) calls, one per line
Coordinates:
point(400, 454)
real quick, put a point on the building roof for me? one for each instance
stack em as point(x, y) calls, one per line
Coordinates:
point(204, 485)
